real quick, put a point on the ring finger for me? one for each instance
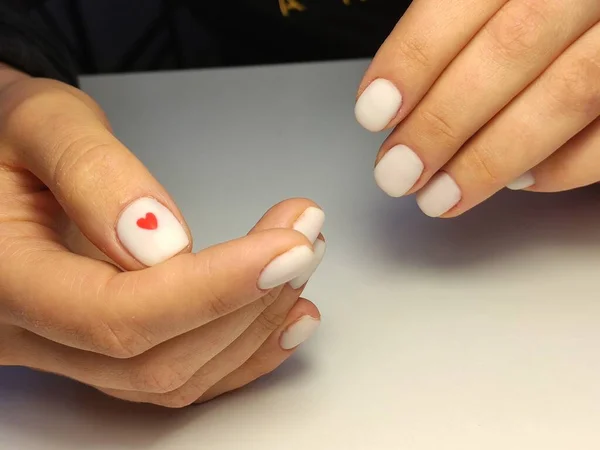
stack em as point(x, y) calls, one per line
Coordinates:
point(300, 324)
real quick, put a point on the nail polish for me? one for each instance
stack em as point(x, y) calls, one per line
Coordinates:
point(286, 267)
point(298, 332)
point(439, 195)
point(310, 223)
point(524, 181)
point(378, 105)
point(319, 252)
point(398, 171)
point(150, 232)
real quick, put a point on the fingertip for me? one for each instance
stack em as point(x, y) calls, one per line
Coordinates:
point(284, 214)
point(306, 320)
point(319, 249)
point(378, 105)
point(304, 307)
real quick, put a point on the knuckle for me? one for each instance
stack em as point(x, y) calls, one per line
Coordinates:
point(213, 297)
point(578, 88)
point(437, 127)
point(158, 378)
point(481, 163)
point(517, 29)
point(269, 298)
point(84, 160)
point(214, 301)
point(414, 50)
point(21, 106)
point(216, 305)
point(120, 340)
point(269, 321)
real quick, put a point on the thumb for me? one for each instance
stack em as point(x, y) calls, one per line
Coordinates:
point(109, 194)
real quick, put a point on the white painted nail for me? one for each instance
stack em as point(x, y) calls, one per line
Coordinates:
point(310, 223)
point(439, 195)
point(286, 267)
point(298, 332)
point(524, 181)
point(378, 105)
point(150, 232)
point(319, 252)
point(398, 171)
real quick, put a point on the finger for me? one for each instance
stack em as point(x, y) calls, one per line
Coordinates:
point(86, 304)
point(116, 203)
point(319, 249)
point(301, 214)
point(246, 345)
point(425, 41)
point(574, 165)
point(562, 102)
point(510, 52)
point(169, 365)
point(225, 362)
point(163, 368)
point(300, 325)
point(309, 222)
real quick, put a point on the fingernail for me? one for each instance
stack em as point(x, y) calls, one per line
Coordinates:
point(150, 232)
point(319, 252)
point(378, 105)
point(439, 195)
point(310, 223)
point(398, 171)
point(286, 267)
point(524, 181)
point(298, 332)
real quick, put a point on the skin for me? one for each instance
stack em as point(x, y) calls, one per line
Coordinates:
point(494, 89)
point(75, 303)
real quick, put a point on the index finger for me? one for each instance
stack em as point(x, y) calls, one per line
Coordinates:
point(89, 305)
point(423, 43)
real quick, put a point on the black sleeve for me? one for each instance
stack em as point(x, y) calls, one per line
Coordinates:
point(32, 48)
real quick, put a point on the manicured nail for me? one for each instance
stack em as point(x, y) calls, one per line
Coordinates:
point(524, 181)
point(319, 252)
point(150, 232)
point(286, 267)
point(298, 332)
point(378, 105)
point(310, 223)
point(439, 195)
point(398, 171)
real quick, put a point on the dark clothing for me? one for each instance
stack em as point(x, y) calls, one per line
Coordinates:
point(64, 38)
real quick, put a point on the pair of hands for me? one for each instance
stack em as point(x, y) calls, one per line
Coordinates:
point(97, 281)
point(482, 95)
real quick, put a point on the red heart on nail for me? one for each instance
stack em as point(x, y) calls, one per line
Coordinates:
point(148, 223)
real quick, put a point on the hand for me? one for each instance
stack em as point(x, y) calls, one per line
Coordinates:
point(97, 279)
point(483, 95)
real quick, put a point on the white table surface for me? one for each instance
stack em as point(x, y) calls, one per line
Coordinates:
point(480, 333)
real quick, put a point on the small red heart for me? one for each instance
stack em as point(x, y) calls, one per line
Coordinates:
point(148, 223)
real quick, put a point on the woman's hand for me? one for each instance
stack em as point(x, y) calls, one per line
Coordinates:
point(97, 279)
point(483, 95)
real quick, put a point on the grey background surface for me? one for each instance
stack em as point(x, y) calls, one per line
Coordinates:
point(475, 333)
